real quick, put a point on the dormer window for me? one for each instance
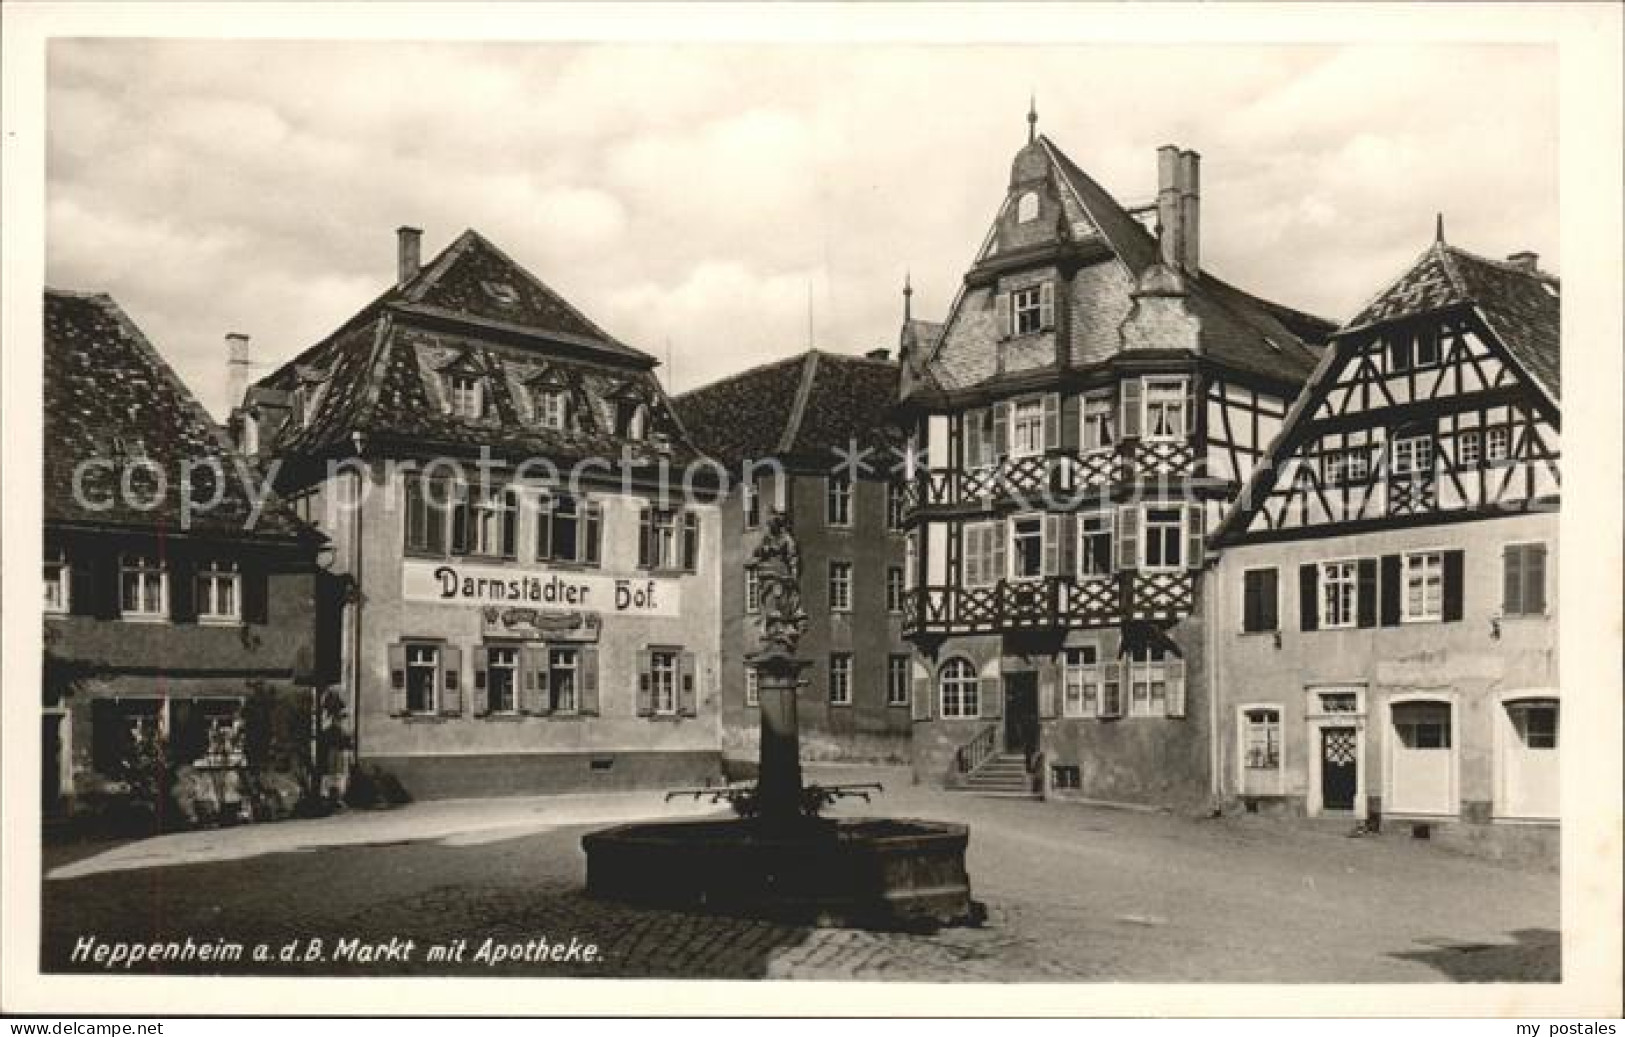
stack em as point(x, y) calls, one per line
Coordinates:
point(1024, 306)
point(550, 406)
point(248, 436)
point(631, 417)
point(465, 394)
point(1027, 207)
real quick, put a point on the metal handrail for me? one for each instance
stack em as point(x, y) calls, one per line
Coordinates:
point(975, 752)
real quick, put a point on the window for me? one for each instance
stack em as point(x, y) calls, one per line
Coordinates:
point(1467, 448)
point(897, 680)
point(750, 502)
point(1163, 530)
point(218, 591)
point(753, 687)
point(669, 540)
point(1081, 682)
point(838, 500)
point(1097, 422)
point(1164, 408)
point(502, 679)
point(895, 505)
point(1259, 601)
point(1422, 725)
point(959, 690)
point(1357, 465)
point(1027, 207)
point(143, 587)
point(630, 418)
point(1025, 306)
point(495, 522)
point(1336, 463)
point(753, 590)
point(569, 529)
point(840, 679)
point(1027, 428)
point(58, 581)
point(663, 681)
point(1066, 776)
point(1095, 544)
point(1535, 721)
point(1413, 455)
point(422, 678)
point(1339, 594)
point(1524, 583)
point(563, 677)
point(1027, 547)
point(550, 406)
point(894, 589)
point(467, 399)
point(426, 506)
point(1148, 682)
point(1497, 440)
point(840, 586)
point(1261, 739)
point(1408, 349)
point(1424, 587)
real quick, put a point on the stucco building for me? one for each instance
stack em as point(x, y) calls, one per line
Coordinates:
point(534, 603)
point(813, 436)
point(1388, 643)
point(1093, 401)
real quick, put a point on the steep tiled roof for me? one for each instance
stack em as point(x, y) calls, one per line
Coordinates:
point(108, 393)
point(808, 405)
point(1523, 307)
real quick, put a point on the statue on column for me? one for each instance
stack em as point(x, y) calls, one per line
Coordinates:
point(777, 563)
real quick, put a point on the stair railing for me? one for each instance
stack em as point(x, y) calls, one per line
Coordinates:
point(975, 752)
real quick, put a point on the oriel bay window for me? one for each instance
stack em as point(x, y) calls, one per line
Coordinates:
point(569, 529)
point(143, 587)
point(669, 539)
point(1030, 309)
point(1164, 530)
point(1027, 547)
point(1027, 428)
point(1159, 537)
point(1097, 422)
point(984, 553)
point(1094, 544)
point(667, 683)
point(1165, 409)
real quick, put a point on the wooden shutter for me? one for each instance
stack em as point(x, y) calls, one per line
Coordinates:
point(1193, 536)
point(1512, 559)
point(1001, 430)
point(1270, 600)
point(591, 545)
point(1309, 596)
point(990, 698)
point(1052, 420)
point(1046, 305)
point(1176, 687)
point(256, 592)
point(1049, 702)
point(691, 540)
point(687, 691)
point(510, 525)
point(182, 587)
point(1128, 536)
point(645, 538)
point(105, 566)
point(1393, 589)
point(482, 681)
point(434, 516)
point(1534, 579)
point(1071, 422)
point(1068, 531)
point(461, 519)
point(544, 528)
point(1252, 601)
point(1111, 689)
point(1129, 417)
point(589, 681)
point(451, 683)
point(1454, 570)
point(533, 693)
point(1190, 407)
point(1001, 313)
point(646, 696)
point(972, 421)
point(1052, 544)
point(998, 535)
point(82, 599)
point(397, 680)
point(1365, 591)
point(920, 703)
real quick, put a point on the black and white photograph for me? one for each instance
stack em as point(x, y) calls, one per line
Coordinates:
point(848, 498)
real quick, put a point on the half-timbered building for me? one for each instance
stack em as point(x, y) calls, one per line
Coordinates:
point(1091, 404)
point(1386, 594)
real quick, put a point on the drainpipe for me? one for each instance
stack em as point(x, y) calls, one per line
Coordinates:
point(358, 554)
point(1215, 761)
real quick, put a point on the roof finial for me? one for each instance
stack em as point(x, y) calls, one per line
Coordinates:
point(1032, 117)
point(1438, 228)
point(908, 295)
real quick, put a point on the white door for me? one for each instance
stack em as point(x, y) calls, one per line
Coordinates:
point(1422, 758)
point(1529, 768)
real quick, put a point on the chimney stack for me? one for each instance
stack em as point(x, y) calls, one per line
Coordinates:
point(408, 253)
point(237, 364)
point(881, 353)
point(1168, 206)
point(1525, 261)
point(1190, 217)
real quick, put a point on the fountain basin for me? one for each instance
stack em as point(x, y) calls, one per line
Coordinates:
point(876, 873)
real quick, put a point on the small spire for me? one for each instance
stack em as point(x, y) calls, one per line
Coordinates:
point(1438, 228)
point(908, 295)
point(1032, 117)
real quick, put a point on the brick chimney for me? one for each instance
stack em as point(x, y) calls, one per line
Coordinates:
point(1526, 261)
point(1168, 206)
point(408, 253)
point(237, 364)
point(1190, 217)
point(882, 353)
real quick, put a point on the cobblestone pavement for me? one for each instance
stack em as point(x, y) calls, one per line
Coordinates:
point(1073, 894)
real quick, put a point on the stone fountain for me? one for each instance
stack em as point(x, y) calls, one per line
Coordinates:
point(779, 859)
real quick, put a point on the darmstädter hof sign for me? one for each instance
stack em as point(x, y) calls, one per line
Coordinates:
point(451, 583)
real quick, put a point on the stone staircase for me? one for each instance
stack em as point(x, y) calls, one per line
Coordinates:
point(1001, 774)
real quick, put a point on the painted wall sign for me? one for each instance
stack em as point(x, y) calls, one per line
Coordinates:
point(517, 621)
point(457, 583)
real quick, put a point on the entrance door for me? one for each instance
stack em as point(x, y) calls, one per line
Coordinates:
point(51, 763)
point(1021, 713)
point(1339, 757)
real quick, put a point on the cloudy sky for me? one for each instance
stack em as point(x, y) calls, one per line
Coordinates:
point(701, 194)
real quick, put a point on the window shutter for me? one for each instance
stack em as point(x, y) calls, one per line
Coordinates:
point(1071, 422)
point(510, 526)
point(920, 703)
point(544, 529)
point(1271, 601)
point(1129, 418)
point(1128, 536)
point(1001, 430)
point(1454, 566)
point(1365, 591)
point(687, 692)
point(435, 517)
point(594, 533)
point(1512, 581)
point(691, 541)
point(997, 533)
point(973, 557)
point(1001, 314)
point(1392, 589)
point(1068, 531)
point(1176, 687)
point(1193, 536)
point(1052, 420)
point(645, 539)
point(1190, 407)
point(256, 592)
point(1308, 597)
point(990, 698)
point(589, 681)
point(533, 697)
point(482, 681)
point(182, 587)
point(1048, 700)
point(460, 518)
point(1046, 305)
point(397, 680)
point(972, 422)
point(1111, 690)
point(105, 567)
point(82, 599)
point(1252, 602)
point(451, 685)
point(1052, 545)
point(1534, 579)
point(646, 695)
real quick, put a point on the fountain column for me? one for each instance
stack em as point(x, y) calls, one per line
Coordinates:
point(778, 782)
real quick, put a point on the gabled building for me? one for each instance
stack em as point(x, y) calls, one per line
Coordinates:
point(1090, 406)
point(1387, 589)
point(534, 600)
point(813, 437)
point(173, 590)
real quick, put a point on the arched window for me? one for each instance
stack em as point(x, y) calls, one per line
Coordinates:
point(958, 689)
point(1027, 207)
